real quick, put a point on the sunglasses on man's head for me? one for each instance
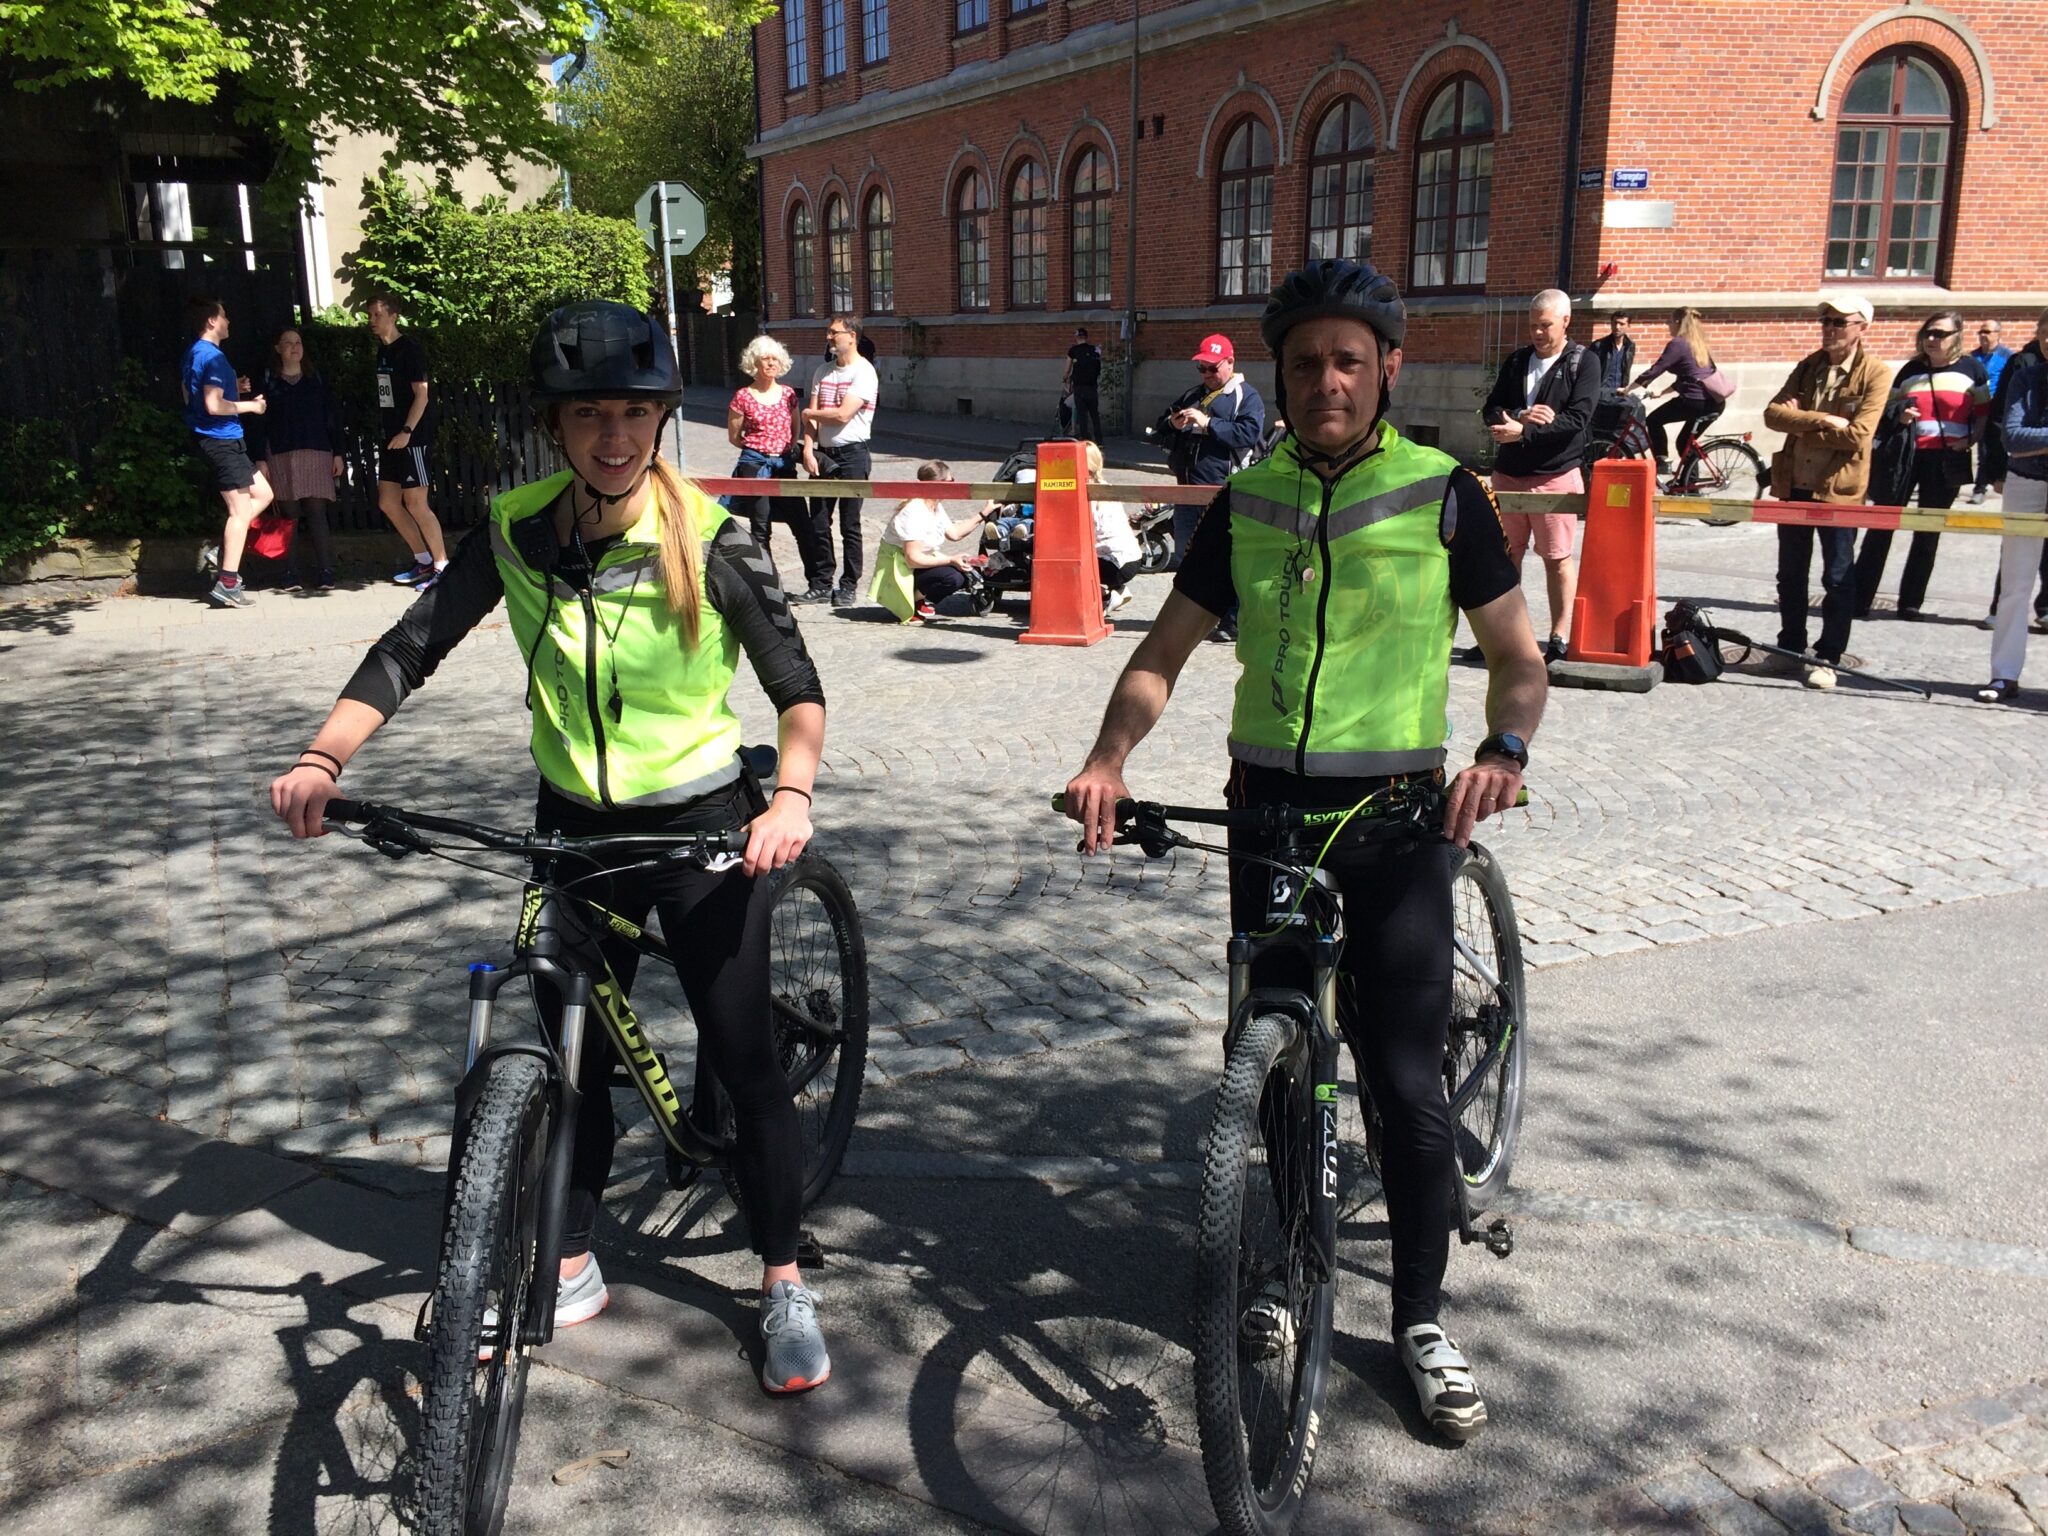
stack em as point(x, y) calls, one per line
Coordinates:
point(1208, 367)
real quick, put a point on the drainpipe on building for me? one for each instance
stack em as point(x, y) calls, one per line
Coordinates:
point(1131, 241)
point(760, 195)
point(1568, 225)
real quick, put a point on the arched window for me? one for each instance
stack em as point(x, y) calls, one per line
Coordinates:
point(838, 255)
point(880, 218)
point(803, 292)
point(1090, 201)
point(1340, 183)
point(1453, 187)
point(1892, 150)
point(1029, 216)
point(1244, 211)
point(970, 239)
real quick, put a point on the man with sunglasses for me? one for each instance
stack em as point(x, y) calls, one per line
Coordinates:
point(1211, 429)
point(1828, 408)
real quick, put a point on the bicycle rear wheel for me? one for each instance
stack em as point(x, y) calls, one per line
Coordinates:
point(476, 1374)
point(1724, 467)
point(818, 998)
point(1486, 1059)
point(1262, 1319)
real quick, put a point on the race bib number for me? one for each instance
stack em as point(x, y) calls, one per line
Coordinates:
point(387, 398)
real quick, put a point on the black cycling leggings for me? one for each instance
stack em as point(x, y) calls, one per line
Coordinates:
point(1396, 973)
point(716, 926)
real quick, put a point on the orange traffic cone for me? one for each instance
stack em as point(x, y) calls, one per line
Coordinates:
point(1066, 586)
point(1614, 616)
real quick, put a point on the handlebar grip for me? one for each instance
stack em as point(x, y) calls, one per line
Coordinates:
point(350, 811)
point(735, 840)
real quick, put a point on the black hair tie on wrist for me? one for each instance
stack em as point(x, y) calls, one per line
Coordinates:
point(794, 791)
point(318, 767)
point(316, 752)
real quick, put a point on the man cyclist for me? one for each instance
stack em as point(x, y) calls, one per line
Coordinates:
point(1348, 553)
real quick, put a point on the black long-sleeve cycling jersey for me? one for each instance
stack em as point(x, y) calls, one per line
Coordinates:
point(739, 581)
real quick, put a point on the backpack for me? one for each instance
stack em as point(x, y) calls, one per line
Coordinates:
point(1692, 646)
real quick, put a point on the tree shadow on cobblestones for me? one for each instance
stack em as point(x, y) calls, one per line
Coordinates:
point(45, 616)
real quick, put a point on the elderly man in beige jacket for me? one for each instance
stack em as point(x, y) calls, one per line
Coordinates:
point(1828, 410)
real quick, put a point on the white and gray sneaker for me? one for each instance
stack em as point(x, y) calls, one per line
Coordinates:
point(225, 596)
point(577, 1300)
point(1443, 1382)
point(793, 1357)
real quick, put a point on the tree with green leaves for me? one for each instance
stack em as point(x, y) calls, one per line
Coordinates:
point(449, 80)
point(677, 106)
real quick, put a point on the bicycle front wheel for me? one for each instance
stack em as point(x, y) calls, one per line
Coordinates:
point(818, 1004)
point(476, 1374)
point(1262, 1317)
point(1486, 1060)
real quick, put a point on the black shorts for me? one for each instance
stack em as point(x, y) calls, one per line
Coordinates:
point(405, 467)
point(227, 462)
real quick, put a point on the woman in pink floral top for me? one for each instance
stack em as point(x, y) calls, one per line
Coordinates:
point(762, 422)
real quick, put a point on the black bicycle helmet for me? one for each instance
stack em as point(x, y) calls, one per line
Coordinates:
point(1353, 288)
point(599, 350)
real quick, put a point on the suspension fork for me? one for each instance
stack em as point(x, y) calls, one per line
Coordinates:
point(539, 1325)
point(1325, 1054)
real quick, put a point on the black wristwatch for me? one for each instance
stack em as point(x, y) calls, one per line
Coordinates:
point(1504, 744)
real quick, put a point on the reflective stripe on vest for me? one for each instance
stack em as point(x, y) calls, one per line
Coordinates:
point(625, 711)
point(1346, 670)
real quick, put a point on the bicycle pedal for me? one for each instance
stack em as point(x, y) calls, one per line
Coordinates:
point(1500, 1238)
point(810, 1253)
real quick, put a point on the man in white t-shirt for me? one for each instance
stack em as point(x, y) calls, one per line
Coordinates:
point(841, 415)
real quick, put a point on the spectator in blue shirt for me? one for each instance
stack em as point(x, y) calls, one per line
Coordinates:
point(2025, 422)
point(1991, 449)
point(214, 410)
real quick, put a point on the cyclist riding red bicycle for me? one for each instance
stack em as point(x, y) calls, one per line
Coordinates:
point(1349, 552)
point(631, 596)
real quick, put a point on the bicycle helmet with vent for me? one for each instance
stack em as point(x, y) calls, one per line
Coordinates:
point(600, 350)
point(1355, 289)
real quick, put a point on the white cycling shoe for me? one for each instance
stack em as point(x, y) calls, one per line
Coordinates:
point(1443, 1382)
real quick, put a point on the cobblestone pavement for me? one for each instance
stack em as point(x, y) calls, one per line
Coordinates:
point(175, 955)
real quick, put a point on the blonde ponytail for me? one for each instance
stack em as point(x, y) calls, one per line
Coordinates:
point(681, 570)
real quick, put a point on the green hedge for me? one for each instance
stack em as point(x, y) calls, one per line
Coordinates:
point(142, 478)
point(476, 283)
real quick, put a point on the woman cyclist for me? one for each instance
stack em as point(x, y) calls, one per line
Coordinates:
point(1688, 359)
point(619, 560)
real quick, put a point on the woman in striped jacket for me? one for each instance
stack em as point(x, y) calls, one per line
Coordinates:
point(1944, 397)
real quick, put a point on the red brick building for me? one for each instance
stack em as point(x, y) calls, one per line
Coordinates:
point(963, 174)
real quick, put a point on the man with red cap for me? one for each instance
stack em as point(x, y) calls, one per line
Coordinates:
point(1210, 431)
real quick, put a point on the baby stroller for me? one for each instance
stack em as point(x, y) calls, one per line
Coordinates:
point(1006, 539)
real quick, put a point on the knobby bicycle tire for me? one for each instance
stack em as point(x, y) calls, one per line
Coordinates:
point(1487, 1130)
point(818, 972)
point(1258, 1471)
point(476, 1384)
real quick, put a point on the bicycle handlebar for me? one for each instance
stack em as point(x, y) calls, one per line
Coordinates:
point(1406, 805)
point(395, 831)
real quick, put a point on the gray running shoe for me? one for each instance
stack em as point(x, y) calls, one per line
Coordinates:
point(576, 1301)
point(237, 596)
point(793, 1357)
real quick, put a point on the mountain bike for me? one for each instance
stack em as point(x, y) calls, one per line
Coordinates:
point(493, 1298)
point(1265, 1261)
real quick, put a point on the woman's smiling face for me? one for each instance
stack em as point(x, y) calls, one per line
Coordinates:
point(609, 442)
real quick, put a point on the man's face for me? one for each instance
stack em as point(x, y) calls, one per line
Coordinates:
point(1839, 334)
point(1618, 325)
point(1546, 331)
point(1215, 371)
point(1987, 336)
point(1332, 373)
point(383, 323)
point(217, 327)
point(840, 339)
